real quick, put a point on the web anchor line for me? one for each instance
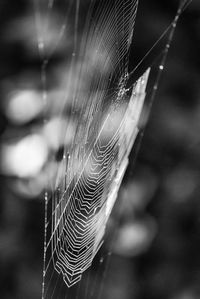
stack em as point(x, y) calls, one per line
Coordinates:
point(170, 30)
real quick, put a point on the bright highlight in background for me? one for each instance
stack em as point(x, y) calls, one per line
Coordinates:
point(23, 106)
point(58, 131)
point(25, 158)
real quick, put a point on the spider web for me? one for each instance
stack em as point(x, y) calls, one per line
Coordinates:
point(107, 114)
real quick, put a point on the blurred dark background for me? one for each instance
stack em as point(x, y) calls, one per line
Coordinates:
point(159, 200)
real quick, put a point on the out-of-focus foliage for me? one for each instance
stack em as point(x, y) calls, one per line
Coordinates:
point(156, 251)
